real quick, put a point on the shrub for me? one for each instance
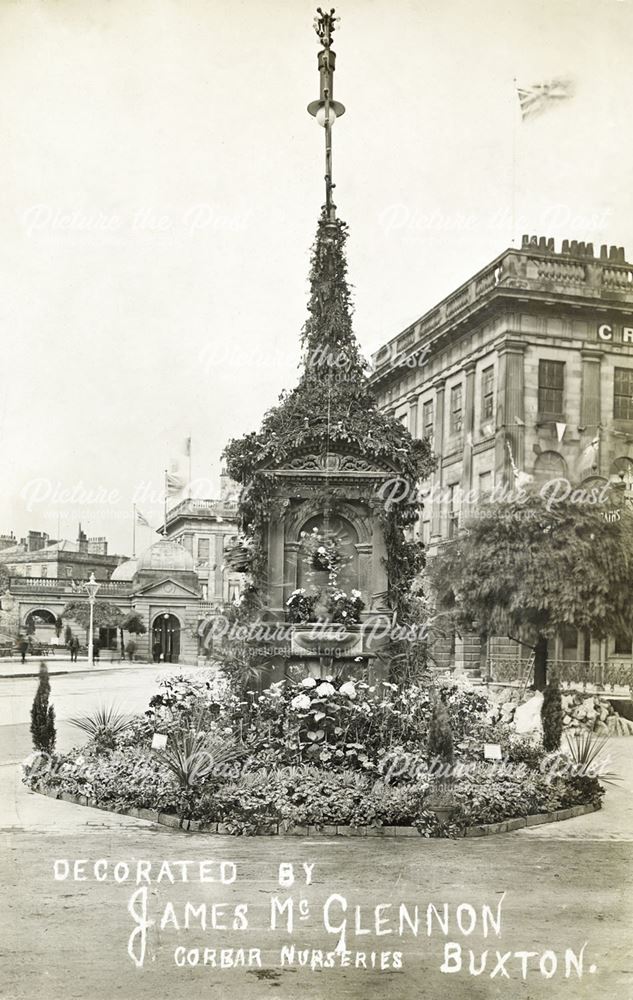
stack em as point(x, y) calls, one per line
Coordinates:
point(440, 742)
point(552, 715)
point(43, 715)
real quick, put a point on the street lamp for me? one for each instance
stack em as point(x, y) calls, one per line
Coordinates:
point(91, 587)
point(326, 110)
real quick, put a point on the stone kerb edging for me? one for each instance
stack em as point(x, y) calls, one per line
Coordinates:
point(275, 829)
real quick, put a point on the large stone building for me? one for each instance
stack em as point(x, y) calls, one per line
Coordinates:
point(173, 585)
point(526, 369)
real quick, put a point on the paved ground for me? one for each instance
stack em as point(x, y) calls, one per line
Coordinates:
point(565, 884)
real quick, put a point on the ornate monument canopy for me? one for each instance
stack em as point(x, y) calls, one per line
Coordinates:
point(325, 449)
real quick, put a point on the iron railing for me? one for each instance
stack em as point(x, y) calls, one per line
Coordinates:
point(604, 675)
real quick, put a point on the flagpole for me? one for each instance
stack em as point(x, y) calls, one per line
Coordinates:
point(190, 450)
point(133, 531)
point(165, 524)
point(514, 164)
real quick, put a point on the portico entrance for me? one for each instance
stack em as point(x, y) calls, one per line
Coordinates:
point(166, 638)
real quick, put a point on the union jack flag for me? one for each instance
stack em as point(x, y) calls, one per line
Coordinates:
point(541, 96)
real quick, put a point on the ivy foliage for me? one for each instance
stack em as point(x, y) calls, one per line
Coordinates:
point(332, 409)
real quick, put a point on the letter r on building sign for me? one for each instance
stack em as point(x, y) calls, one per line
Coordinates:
point(627, 334)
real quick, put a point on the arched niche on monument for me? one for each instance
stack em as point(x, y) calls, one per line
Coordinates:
point(339, 529)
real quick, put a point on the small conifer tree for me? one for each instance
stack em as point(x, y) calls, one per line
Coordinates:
point(440, 741)
point(43, 715)
point(552, 715)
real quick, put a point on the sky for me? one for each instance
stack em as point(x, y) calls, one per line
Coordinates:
point(160, 184)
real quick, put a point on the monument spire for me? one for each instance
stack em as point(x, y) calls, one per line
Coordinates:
point(326, 110)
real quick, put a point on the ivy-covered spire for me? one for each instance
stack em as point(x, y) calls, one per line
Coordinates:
point(328, 341)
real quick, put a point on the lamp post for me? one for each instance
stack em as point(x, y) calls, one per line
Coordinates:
point(91, 588)
point(326, 110)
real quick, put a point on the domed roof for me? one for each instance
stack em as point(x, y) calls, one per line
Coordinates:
point(166, 555)
point(125, 570)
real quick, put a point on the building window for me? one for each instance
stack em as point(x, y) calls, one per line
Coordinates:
point(413, 419)
point(203, 549)
point(487, 393)
point(453, 511)
point(427, 420)
point(43, 570)
point(456, 409)
point(485, 484)
point(69, 571)
point(426, 532)
point(623, 394)
point(623, 645)
point(551, 383)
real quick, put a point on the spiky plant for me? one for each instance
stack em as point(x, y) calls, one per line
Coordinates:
point(585, 749)
point(104, 726)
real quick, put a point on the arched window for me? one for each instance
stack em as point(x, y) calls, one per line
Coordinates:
point(549, 465)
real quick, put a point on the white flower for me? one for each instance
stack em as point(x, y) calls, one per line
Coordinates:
point(325, 690)
point(344, 614)
point(308, 682)
point(348, 689)
point(356, 594)
point(300, 703)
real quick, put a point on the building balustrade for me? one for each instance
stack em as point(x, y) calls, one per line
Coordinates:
point(25, 584)
point(601, 675)
point(534, 268)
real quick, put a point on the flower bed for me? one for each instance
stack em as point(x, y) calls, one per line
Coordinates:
point(315, 753)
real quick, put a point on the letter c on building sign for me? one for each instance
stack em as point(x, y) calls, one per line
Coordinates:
point(605, 332)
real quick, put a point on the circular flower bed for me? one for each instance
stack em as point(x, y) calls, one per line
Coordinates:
point(315, 752)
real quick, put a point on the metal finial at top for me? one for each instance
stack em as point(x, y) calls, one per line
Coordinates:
point(326, 110)
point(324, 26)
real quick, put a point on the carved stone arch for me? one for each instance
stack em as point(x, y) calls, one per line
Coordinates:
point(41, 616)
point(311, 508)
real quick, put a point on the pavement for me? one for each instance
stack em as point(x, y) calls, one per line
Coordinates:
point(565, 884)
point(13, 667)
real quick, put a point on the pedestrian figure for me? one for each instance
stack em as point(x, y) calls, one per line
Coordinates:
point(23, 646)
point(74, 649)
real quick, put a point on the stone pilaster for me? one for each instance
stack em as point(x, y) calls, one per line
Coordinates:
point(510, 423)
point(364, 550)
point(291, 561)
point(469, 425)
point(590, 402)
point(438, 448)
point(218, 558)
point(276, 558)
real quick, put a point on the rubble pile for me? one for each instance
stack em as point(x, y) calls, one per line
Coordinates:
point(581, 711)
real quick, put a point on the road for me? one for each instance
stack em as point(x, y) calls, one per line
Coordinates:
point(565, 884)
point(129, 688)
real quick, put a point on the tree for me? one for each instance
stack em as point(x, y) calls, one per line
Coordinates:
point(134, 624)
point(43, 715)
point(527, 567)
point(104, 615)
point(552, 714)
